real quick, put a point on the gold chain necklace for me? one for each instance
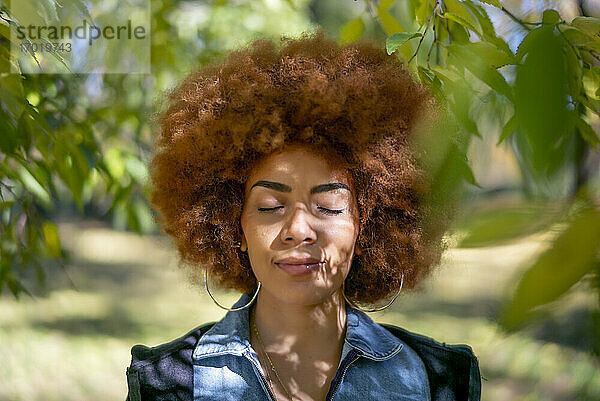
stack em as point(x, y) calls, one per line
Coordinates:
point(264, 350)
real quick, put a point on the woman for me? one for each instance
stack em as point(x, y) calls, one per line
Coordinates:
point(286, 172)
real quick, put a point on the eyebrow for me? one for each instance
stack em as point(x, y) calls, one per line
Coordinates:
point(277, 186)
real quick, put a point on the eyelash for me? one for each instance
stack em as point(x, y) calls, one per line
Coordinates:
point(325, 210)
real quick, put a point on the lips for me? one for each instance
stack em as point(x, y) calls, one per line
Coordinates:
point(298, 261)
point(298, 266)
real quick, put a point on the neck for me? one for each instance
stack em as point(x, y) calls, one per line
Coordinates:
point(310, 329)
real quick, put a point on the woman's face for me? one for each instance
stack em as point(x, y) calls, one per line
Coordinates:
point(299, 206)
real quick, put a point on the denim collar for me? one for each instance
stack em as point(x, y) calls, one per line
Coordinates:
point(230, 335)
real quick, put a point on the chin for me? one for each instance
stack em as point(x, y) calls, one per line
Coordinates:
point(303, 294)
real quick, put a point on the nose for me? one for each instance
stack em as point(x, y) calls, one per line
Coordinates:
point(298, 229)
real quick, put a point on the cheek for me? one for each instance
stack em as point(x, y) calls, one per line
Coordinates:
point(341, 238)
point(259, 236)
point(263, 237)
point(345, 234)
point(346, 228)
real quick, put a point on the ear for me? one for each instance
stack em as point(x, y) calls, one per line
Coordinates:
point(243, 244)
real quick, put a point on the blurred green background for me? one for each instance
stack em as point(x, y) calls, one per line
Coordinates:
point(84, 274)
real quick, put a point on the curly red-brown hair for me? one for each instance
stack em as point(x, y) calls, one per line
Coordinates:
point(353, 99)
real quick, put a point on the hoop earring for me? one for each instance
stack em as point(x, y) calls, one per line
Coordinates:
point(375, 309)
point(223, 307)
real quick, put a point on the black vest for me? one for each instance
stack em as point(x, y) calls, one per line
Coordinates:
point(165, 373)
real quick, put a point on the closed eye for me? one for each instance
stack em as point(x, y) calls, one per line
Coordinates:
point(323, 209)
point(330, 211)
point(266, 209)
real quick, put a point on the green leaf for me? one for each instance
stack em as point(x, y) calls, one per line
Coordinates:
point(589, 25)
point(467, 173)
point(423, 12)
point(7, 62)
point(91, 155)
point(588, 133)
point(458, 33)
point(48, 7)
point(82, 7)
point(385, 4)
point(389, 23)
point(80, 162)
point(6, 205)
point(133, 218)
point(463, 55)
point(9, 139)
point(508, 129)
point(570, 257)
point(52, 239)
point(57, 56)
point(136, 169)
point(398, 39)
point(591, 104)
point(4, 31)
point(34, 186)
point(121, 195)
point(487, 27)
point(460, 20)
point(66, 165)
point(13, 284)
point(491, 55)
point(428, 78)
point(458, 96)
point(11, 94)
point(494, 226)
point(25, 131)
point(461, 13)
point(528, 41)
point(447, 75)
point(461, 111)
point(449, 176)
point(541, 100)
point(352, 31)
point(576, 36)
point(39, 172)
point(574, 69)
point(550, 17)
point(592, 45)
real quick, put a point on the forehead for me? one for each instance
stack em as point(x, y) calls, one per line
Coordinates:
point(299, 166)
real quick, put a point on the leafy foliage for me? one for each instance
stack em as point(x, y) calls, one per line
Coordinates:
point(549, 90)
point(569, 258)
point(51, 147)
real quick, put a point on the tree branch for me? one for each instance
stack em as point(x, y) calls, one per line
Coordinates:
point(517, 20)
point(435, 9)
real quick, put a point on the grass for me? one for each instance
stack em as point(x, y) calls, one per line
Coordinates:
point(72, 340)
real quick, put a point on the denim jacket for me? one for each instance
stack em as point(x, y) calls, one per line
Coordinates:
point(379, 362)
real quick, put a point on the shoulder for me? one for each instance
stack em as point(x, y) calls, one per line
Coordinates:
point(429, 345)
point(164, 372)
point(453, 370)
